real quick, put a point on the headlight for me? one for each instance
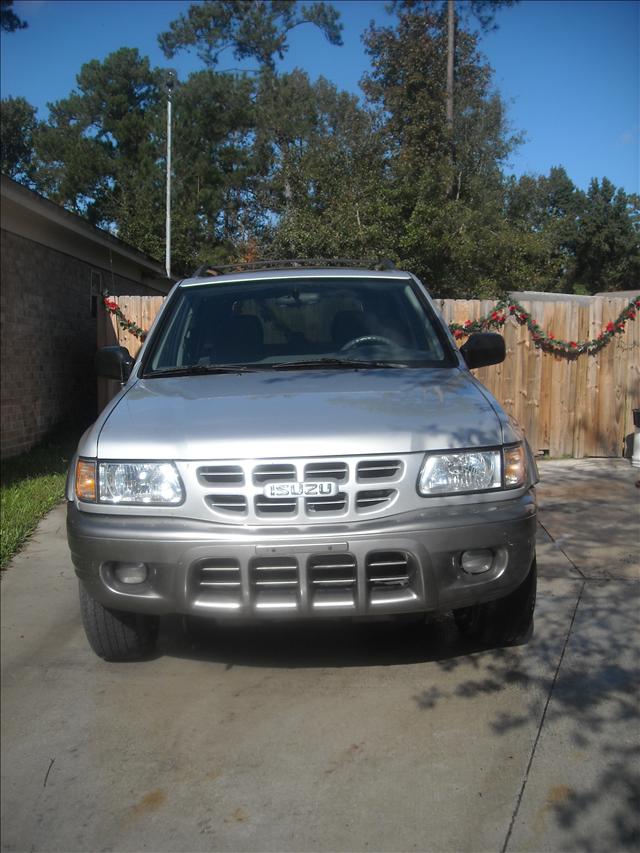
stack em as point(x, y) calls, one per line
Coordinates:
point(446, 473)
point(155, 483)
point(472, 471)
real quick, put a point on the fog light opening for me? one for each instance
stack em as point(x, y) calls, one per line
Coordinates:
point(477, 562)
point(131, 573)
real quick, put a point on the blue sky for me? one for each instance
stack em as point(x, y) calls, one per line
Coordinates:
point(569, 69)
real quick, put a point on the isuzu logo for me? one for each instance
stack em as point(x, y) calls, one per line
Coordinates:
point(324, 488)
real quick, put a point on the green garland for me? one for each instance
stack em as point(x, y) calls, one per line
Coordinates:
point(113, 308)
point(548, 343)
point(495, 319)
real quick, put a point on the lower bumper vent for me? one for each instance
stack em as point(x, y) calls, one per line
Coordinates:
point(317, 582)
point(332, 580)
point(388, 569)
point(274, 582)
point(218, 583)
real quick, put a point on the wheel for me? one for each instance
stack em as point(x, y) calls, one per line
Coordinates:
point(116, 635)
point(505, 622)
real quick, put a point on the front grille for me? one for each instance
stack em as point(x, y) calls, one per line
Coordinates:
point(273, 473)
point(326, 503)
point(326, 471)
point(374, 498)
point(275, 506)
point(386, 569)
point(227, 503)
point(233, 491)
point(221, 475)
point(378, 469)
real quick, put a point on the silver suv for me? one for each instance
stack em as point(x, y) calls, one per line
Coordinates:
point(302, 442)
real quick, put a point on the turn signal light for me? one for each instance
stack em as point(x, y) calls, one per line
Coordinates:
point(85, 480)
point(515, 466)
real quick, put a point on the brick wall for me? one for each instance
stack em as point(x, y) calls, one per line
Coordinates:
point(48, 339)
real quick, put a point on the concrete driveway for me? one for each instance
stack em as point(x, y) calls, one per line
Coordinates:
point(348, 738)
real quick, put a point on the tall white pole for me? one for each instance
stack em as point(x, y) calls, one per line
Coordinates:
point(170, 82)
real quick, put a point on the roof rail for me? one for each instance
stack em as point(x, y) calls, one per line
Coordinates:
point(294, 263)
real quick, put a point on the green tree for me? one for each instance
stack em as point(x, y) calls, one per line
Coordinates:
point(103, 155)
point(99, 151)
point(607, 248)
point(18, 123)
point(9, 21)
point(547, 209)
point(592, 239)
point(249, 28)
point(102, 152)
point(326, 164)
point(215, 167)
point(450, 225)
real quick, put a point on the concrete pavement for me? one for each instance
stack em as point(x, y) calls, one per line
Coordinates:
point(338, 738)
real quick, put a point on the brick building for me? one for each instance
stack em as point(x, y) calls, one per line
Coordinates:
point(53, 267)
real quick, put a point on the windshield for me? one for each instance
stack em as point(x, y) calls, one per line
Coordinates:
point(297, 323)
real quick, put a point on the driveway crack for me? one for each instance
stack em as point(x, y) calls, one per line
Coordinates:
point(562, 551)
point(51, 763)
point(542, 719)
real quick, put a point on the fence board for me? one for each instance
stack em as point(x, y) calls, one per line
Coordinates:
point(581, 407)
point(632, 385)
point(580, 411)
point(592, 402)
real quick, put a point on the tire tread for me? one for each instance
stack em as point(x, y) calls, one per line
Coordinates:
point(507, 621)
point(116, 635)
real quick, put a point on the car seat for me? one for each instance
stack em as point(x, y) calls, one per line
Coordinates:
point(239, 339)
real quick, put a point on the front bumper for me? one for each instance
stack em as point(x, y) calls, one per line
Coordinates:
point(408, 563)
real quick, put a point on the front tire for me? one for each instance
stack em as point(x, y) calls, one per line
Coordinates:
point(505, 622)
point(116, 635)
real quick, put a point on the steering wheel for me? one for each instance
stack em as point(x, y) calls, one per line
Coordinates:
point(367, 339)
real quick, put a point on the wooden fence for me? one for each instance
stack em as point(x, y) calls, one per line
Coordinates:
point(579, 407)
point(567, 408)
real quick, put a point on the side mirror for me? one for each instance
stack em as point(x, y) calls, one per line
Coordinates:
point(114, 363)
point(483, 348)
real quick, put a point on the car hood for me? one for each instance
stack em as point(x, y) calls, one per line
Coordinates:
point(299, 413)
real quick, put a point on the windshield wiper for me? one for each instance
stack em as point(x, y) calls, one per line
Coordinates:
point(309, 364)
point(199, 370)
point(332, 363)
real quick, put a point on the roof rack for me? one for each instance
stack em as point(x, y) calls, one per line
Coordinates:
point(295, 263)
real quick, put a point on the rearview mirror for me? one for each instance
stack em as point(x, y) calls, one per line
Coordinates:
point(483, 348)
point(114, 363)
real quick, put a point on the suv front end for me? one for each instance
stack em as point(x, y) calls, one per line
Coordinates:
point(375, 479)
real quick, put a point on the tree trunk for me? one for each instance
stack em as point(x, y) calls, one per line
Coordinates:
point(451, 26)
